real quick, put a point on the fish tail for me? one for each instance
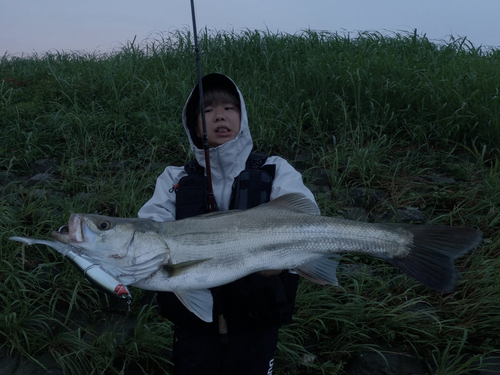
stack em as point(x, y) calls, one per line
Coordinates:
point(433, 252)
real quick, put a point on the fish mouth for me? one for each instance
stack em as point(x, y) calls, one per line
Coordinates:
point(71, 233)
point(61, 235)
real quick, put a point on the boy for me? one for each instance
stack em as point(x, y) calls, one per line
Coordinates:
point(248, 312)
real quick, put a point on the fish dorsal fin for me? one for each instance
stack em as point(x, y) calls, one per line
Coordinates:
point(297, 201)
point(199, 302)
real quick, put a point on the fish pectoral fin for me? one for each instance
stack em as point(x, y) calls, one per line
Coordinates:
point(199, 302)
point(322, 271)
point(177, 269)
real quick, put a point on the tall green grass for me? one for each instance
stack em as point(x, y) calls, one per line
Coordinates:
point(393, 113)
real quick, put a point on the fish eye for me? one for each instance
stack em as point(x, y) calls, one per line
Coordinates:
point(104, 225)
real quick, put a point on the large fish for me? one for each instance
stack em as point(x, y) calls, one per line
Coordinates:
point(188, 256)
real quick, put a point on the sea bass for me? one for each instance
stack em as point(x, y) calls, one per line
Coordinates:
point(191, 255)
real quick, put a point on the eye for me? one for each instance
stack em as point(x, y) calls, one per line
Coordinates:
point(104, 225)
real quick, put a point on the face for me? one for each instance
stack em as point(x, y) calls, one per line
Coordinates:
point(223, 123)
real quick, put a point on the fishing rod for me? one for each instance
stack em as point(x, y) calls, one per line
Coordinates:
point(206, 148)
point(211, 203)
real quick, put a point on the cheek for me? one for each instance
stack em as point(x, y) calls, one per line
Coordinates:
point(238, 121)
point(199, 129)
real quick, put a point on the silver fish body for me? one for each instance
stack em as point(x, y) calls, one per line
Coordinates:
point(188, 256)
point(239, 243)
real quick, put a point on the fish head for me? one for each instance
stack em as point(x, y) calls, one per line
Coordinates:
point(123, 241)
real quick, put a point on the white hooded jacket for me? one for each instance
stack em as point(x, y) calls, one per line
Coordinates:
point(226, 162)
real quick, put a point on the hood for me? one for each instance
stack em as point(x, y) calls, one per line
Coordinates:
point(234, 152)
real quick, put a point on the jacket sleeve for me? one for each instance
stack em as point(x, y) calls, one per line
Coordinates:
point(287, 180)
point(161, 206)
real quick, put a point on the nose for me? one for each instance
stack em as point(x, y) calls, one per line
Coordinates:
point(218, 115)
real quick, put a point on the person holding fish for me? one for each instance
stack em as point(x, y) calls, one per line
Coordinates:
point(247, 313)
point(230, 295)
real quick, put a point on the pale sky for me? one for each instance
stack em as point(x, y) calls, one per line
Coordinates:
point(28, 26)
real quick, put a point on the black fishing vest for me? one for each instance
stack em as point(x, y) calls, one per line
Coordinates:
point(251, 188)
point(255, 300)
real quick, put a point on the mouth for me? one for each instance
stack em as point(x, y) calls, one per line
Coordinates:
point(71, 233)
point(222, 130)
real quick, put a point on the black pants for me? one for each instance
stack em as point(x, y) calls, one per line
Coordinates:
point(245, 353)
